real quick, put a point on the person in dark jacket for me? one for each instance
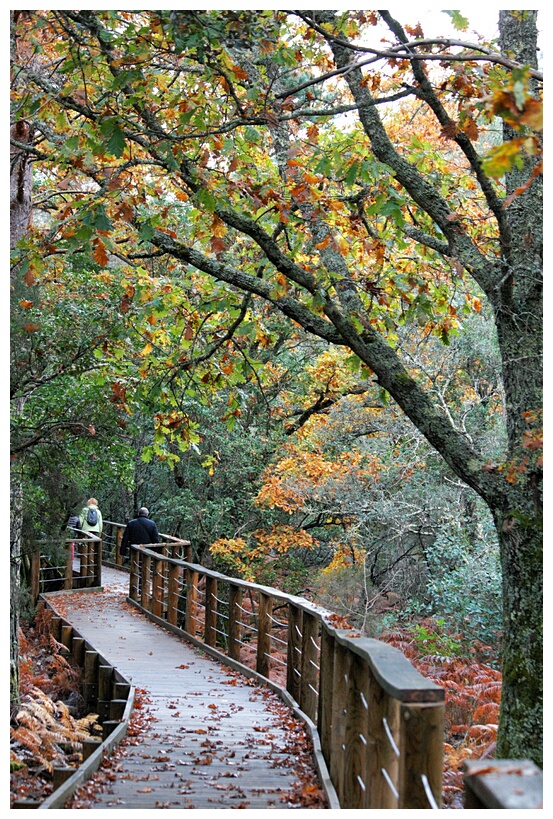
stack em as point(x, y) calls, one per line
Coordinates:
point(139, 531)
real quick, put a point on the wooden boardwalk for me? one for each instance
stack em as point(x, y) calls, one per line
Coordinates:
point(214, 739)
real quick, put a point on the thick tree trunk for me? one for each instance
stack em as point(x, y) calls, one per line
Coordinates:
point(520, 725)
point(519, 321)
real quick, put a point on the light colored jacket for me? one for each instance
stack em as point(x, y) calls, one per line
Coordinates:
point(86, 527)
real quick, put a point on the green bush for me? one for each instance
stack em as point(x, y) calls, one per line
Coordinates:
point(464, 586)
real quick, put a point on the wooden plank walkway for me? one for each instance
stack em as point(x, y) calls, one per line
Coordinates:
point(215, 738)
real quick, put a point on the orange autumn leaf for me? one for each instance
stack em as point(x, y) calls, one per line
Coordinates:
point(323, 244)
point(100, 254)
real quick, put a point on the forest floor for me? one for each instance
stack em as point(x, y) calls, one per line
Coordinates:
point(52, 720)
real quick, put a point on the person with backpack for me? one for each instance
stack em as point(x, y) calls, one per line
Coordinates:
point(140, 531)
point(90, 519)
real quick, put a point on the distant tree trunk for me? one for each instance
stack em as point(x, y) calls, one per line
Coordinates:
point(20, 217)
point(16, 525)
point(20, 184)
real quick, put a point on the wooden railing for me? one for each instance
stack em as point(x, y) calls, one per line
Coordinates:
point(78, 566)
point(112, 536)
point(380, 723)
point(503, 783)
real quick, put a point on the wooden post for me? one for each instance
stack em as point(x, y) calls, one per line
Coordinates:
point(67, 636)
point(98, 545)
point(89, 746)
point(90, 677)
point(68, 578)
point(84, 562)
point(108, 727)
point(35, 575)
point(145, 580)
point(55, 628)
point(264, 634)
point(210, 635)
point(77, 649)
point(105, 682)
point(326, 676)
point(234, 621)
point(117, 709)
point(342, 659)
point(293, 664)
point(134, 569)
point(382, 747)
point(421, 754)
point(309, 666)
point(190, 621)
point(173, 593)
point(118, 538)
point(355, 761)
point(157, 587)
point(61, 775)
point(121, 690)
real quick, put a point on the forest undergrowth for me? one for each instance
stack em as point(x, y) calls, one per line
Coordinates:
point(472, 696)
point(52, 722)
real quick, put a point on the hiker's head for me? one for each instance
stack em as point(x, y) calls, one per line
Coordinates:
point(143, 512)
point(92, 502)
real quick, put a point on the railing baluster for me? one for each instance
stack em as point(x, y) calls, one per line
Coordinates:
point(339, 713)
point(173, 593)
point(190, 623)
point(135, 570)
point(293, 672)
point(263, 636)
point(157, 587)
point(68, 581)
point(210, 611)
point(145, 580)
point(326, 691)
point(420, 752)
point(235, 621)
point(381, 753)
point(357, 723)
point(309, 666)
point(118, 538)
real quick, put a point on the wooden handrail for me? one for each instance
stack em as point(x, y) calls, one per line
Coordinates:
point(503, 783)
point(380, 722)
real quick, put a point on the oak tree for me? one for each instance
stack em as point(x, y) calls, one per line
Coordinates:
point(258, 156)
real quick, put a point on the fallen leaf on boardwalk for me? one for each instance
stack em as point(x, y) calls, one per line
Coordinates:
point(145, 790)
point(181, 666)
